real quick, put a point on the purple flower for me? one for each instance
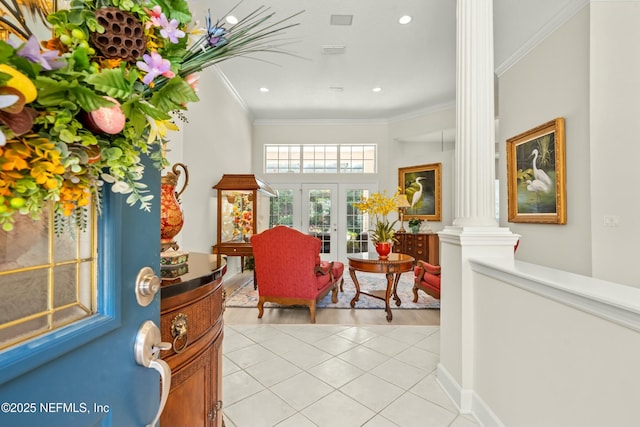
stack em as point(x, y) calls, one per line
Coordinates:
point(170, 29)
point(50, 60)
point(155, 65)
point(215, 34)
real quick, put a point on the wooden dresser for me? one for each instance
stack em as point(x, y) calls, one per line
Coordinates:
point(191, 309)
point(424, 246)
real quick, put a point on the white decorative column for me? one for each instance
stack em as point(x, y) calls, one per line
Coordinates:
point(475, 232)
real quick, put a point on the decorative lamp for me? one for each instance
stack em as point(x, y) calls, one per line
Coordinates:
point(402, 203)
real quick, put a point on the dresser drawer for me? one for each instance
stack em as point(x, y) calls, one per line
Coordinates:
point(198, 316)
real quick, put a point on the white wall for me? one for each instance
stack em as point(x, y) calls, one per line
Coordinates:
point(215, 141)
point(399, 145)
point(554, 349)
point(553, 81)
point(614, 130)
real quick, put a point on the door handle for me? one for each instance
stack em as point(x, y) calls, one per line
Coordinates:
point(146, 351)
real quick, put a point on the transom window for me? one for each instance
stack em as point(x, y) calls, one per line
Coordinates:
point(320, 158)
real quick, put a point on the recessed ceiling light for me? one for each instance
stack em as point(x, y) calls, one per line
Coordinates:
point(404, 20)
point(264, 89)
point(231, 19)
point(377, 89)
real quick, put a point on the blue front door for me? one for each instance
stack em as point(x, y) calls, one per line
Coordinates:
point(85, 374)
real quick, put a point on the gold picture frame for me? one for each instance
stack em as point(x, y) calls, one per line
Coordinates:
point(536, 175)
point(423, 187)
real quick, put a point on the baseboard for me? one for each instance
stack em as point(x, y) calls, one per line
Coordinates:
point(467, 401)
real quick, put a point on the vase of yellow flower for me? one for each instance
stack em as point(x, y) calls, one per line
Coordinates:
point(379, 205)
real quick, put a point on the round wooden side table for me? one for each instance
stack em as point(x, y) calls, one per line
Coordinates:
point(392, 267)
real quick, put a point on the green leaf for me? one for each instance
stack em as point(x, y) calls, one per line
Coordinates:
point(153, 111)
point(112, 82)
point(174, 95)
point(67, 136)
point(6, 50)
point(88, 99)
point(51, 92)
point(82, 58)
point(76, 17)
point(136, 119)
point(178, 9)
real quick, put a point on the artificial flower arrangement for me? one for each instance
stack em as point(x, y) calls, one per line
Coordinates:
point(242, 218)
point(380, 206)
point(79, 111)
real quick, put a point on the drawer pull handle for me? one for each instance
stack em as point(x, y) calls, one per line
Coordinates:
point(179, 332)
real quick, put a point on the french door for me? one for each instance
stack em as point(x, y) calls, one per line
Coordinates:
point(85, 373)
point(320, 216)
point(326, 211)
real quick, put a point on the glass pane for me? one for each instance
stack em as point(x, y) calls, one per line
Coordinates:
point(65, 247)
point(65, 292)
point(41, 271)
point(25, 246)
point(237, 216)
point(282, 158)
point(23, 294)
point(357, 158)
point(369, 166)
point(68, 315)
point(320, 217)
point(86, 295)
point(281, 209)
point(357, 236)
point(13, 333)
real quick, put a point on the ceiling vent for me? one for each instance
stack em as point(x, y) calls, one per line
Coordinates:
point(341, 19)
point(333, 49)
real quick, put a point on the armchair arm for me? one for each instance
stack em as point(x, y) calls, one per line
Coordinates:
point(425, 267)
point(324, 268)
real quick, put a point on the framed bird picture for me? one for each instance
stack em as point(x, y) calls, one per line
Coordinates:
point(536, 175)
point(423, 188)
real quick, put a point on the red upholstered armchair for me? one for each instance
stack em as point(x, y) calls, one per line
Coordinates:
point(427, 279)
point(289, 271)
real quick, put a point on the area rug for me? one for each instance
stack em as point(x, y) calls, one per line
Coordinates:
point(246, 296)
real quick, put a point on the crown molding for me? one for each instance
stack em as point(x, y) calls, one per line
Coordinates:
point(223, 78)
point(568, 12)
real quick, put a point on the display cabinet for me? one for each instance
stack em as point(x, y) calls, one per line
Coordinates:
point(243, 210)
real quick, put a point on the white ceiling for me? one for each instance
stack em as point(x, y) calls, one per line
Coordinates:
point(414, 64)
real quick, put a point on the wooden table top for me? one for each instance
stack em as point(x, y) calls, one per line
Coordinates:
point(372, 263)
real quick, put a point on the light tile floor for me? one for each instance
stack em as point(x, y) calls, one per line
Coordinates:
point(331, 375)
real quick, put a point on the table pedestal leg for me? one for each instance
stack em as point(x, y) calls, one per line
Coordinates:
point(387, 296)
point(396, 298)
point(352, 272)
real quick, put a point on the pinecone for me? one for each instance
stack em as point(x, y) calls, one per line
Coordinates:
point(123, 36)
